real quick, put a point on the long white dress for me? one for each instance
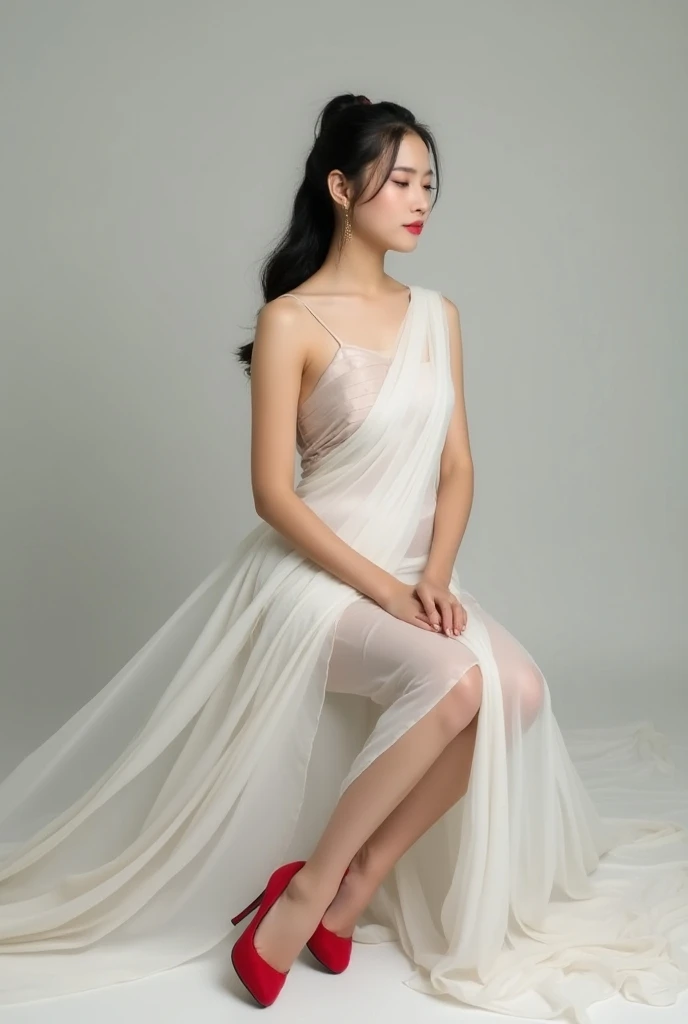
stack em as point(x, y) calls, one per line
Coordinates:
point(133, 834)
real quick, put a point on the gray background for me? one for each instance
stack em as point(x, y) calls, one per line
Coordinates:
point(150, 154)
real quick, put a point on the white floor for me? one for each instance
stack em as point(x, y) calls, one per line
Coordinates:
point(208, 990)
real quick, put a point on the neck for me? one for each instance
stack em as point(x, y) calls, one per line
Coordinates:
point(360, 270)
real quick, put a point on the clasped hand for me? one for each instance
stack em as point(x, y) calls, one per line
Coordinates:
point(429, 605)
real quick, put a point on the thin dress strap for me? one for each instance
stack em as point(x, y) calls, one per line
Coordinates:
point(313, 313)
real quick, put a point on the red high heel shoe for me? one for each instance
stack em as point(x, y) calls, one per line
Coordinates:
point(330, 950)
point(260, 978)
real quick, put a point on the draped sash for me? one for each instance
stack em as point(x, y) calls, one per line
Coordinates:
point(134, 832)
point(132, 835)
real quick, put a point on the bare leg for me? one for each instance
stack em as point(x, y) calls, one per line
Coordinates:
point(439, 789)
point(445, 782)
point(365, 804)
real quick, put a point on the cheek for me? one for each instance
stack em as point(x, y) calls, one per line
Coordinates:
point(391, 199)
point(384, 210)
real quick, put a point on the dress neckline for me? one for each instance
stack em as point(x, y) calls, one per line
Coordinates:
point(385, 357)
point(363, 348)
point(386, 354)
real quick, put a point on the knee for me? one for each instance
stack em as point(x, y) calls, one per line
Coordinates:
point(460, 706)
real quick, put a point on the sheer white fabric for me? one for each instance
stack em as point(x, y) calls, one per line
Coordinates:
point(131, 836)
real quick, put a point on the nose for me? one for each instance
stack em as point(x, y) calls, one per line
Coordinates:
point(422, 204)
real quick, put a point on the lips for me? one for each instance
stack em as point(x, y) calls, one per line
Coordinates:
point(415, 228)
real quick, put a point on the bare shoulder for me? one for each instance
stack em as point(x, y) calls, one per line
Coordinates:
point(451, 309)
point(280, 314)
point(279, 331)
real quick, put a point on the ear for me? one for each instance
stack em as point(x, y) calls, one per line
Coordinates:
point(338, 187)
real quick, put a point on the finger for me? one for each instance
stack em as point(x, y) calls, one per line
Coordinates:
point(458, 618)
point(429, 608)
point(424, 624)
point(420, 611)
point(447, 615)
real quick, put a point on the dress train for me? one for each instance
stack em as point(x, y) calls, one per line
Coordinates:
point(130, 837)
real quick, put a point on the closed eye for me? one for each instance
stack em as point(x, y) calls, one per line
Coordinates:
point(405, 184)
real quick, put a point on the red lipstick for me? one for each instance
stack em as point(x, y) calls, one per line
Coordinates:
point(415, 228)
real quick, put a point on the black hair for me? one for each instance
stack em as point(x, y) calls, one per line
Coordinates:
point(351, 132)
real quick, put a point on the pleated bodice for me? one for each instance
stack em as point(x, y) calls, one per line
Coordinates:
point(340, 401)
point(338, 405)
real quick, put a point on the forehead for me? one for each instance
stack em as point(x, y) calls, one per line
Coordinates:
point(413, 156)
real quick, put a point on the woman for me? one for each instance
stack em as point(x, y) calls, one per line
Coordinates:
point(459, 826)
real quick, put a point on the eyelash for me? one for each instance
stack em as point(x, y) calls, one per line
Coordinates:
point(404, 184)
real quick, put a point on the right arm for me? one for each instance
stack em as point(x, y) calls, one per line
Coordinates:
point(280, 354)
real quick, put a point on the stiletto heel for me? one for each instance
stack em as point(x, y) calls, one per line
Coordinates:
point(330, 950)
point(261, 979)
point(249, 908)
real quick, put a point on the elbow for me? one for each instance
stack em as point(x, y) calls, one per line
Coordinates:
point(460, 468)
point(267, 502)
point(261, 504)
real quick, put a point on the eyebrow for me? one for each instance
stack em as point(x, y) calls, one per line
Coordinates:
point(412, 170)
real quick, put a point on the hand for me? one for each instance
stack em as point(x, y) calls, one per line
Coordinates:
point(403, 604)
point(441, 607)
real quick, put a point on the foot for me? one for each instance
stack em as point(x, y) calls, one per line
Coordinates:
point(289, 923)
point(355, 893)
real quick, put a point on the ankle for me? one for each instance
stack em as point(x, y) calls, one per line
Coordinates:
point(368, 866)
point(309, 885)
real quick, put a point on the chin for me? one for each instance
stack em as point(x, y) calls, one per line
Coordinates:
point(403, 245)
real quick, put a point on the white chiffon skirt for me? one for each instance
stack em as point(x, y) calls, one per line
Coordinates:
point(407, 670)
point(131, 837)
point(598, 905)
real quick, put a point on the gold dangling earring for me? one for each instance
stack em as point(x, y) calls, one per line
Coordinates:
point(348, 224)
point(346, 233)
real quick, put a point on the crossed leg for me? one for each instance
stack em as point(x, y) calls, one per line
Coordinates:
point(443, 785)
point(407, 786)
point(361, 809)
point(445, 782)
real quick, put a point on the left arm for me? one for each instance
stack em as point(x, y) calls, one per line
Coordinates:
point(455, 489)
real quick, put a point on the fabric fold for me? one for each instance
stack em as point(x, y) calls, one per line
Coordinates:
point(138, 829)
